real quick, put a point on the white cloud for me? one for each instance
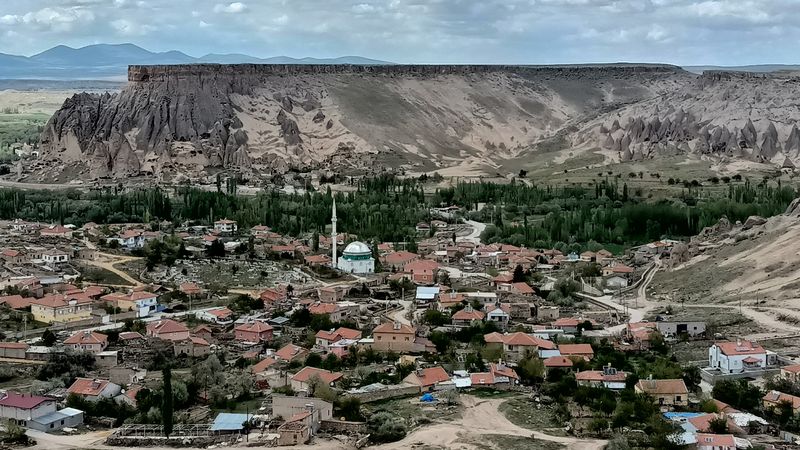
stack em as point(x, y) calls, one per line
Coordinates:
point(10, 19)
point(657, 33)
point(363, 8)
point(58, 19)
point(232, 8)
point(127, 28)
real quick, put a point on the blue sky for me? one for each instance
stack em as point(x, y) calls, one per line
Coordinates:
point(684, 32)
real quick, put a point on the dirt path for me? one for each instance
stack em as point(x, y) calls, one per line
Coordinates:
point(477, 229)
point(109, 261)
point(481, 417)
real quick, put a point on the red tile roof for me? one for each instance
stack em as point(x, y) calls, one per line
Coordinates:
point(166, 326)
point(576, 349)
point(14, 345)
point(598, 375)
point(394, 328)
point(22, 401)
point(290, 351)
point(716, 441)
point(481, 378)
point(558, 361)
point(87, 386)
point(254, 327)
point(468, 314)
point(86, 338)
point(778, 397)
point(306, 373)
point(740, 348)
point(432, 375)
point(263, 365)
point(322, 308)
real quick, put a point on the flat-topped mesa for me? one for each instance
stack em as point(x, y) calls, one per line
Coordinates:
point(162, 72)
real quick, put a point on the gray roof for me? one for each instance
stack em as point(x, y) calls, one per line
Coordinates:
point(55, 416)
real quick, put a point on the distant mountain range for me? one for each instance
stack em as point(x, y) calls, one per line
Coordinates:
point(110, 61)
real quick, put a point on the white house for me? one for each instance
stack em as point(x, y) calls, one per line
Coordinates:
point(226, 226)
point(737, 357)
point(55, 256)
point(130, 239)
point(497, 315)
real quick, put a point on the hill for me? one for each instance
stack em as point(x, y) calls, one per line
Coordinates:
point(110, 61)
point(191, 120)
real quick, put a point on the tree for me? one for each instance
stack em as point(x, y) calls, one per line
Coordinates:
point(167, 405)
point(519, 274)
point(718, 425)
point(48, 338)
point(314, 360)
point(216, 249)
point(530, 370)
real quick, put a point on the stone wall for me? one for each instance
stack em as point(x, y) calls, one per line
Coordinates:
point(340, 426)
point(391, 392)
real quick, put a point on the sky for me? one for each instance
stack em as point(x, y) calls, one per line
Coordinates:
point(682, 32)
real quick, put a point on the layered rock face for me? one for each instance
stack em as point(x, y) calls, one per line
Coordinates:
point(732, 115)
point(260, 119)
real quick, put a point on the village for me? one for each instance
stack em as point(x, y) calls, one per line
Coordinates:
point(267, 339)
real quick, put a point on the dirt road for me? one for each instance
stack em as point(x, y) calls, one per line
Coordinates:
point(109, 261)
point(481, 417)
point(477, 229)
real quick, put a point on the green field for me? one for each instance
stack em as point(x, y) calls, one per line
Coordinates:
point(19, 128)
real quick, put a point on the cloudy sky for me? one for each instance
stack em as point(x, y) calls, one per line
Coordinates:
point(685, 32)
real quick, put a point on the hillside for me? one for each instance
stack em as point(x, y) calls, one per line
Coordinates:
point(757, 262)
point(186, 120)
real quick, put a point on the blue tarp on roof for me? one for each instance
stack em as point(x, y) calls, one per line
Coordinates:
point(230, 421)
point(682, 415)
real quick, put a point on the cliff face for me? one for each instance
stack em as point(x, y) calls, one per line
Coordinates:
point(729, 115)
point(189, 119)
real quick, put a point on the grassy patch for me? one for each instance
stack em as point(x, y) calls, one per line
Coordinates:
point(524, 413)
point(492, 393)
point(505, 442)
point(19, 128)
point(102, 276)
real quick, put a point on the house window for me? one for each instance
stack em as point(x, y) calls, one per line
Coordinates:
point(677, 398)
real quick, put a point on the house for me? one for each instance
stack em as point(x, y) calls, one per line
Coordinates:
point(421, 271)
point(302, 380)
point(398, 259)
point(264, 367)
point(303, 416)
point(427, 379)
point(548, 313)
point(498, 314)
point(715, 441)
point(609, 378)
point(61, 308)
point(791, 373)
point(253, 332)
point(130, 337)
point(16, 301)
point(640, 334)
point(570, 325)
point(737, 357)
point(220, 315)
point(324, 339)
point(317, 260)
point(773, 399)
point(272, 296)
point(617, 269)
point(395, 336)
point(13, 350)
point(12, 256)
point(56, 231)
point(54, 256)
point(616, 282)
point(557, 362)
point(448, 300)
point(93, 389)
point(677, 328)
point(168, 330)
point(87, 341)
point(191, 290)
point(578, 350)
point(193, 346)
point(291, 352)
point(467, 316)
point(427, 294)
point(22, 408)
point(225, 226)
point(142, 302)
point(665, 392)
point(516, 346)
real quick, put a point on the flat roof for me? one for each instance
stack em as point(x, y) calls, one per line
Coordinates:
point(230, 421)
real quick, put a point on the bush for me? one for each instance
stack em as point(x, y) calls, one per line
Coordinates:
point(384, 426)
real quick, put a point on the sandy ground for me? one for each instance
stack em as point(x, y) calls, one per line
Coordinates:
point(481, 417)
point(109, 261)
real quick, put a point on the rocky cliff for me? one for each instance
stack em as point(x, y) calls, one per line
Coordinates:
point(733, 115)
point(187, 120)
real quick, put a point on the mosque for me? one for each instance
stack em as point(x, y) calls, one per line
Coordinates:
point(357, 256)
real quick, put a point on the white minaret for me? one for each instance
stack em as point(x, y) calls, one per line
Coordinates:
point(333, 235)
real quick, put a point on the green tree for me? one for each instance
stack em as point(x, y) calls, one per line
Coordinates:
point(48, 338)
